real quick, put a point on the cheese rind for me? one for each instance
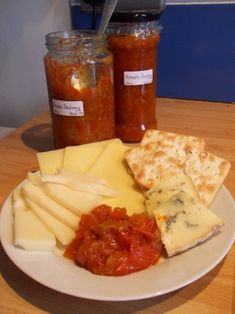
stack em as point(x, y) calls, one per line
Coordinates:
point(38, 196)
point(29, 232)
point(184, 222)
point(63, 233)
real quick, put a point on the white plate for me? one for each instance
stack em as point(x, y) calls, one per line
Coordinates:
point(53, 271)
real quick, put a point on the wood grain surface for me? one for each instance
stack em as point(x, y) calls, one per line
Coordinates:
point(213, 293)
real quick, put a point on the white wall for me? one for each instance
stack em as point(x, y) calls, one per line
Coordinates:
point(23, 25)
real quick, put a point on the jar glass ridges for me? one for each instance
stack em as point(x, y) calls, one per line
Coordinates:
point(79, 71)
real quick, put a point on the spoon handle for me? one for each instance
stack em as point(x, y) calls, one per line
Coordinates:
point(109, 7)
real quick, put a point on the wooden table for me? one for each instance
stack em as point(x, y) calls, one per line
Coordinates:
point(213, 293)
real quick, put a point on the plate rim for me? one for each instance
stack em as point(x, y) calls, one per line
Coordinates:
point(146, 295)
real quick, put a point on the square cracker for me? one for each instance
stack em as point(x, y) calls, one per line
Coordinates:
point(207, 171)
point(153, 135)
point(161, 143)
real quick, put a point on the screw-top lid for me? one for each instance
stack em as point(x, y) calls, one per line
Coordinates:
point(134, 16)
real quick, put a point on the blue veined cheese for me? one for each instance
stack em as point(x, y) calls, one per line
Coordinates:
point(167, 188)
point(185, 222)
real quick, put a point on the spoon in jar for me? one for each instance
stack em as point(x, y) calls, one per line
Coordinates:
point(109, 7)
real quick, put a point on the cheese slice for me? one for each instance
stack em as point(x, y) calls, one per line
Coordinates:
point(63, 233)
point(111, 166)
point(29, 232)
point(17, 200)
point(50, 161)
point(81, 158)
point(185, 222)
point(78, 202)
point(167, 188)
point(80, 181)
point(38, 196)
point(34, 178)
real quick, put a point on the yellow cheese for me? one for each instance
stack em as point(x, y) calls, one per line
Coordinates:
point(50, 161)
point(81, 158)
point(111, 167)
point(38, 196)
point(29, 232)
point(34, 178)
point(63, 233)
point(17, 200)
point(78, 202)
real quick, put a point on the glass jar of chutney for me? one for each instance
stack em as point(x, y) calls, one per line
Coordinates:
point(79, 71)
point(133, 38)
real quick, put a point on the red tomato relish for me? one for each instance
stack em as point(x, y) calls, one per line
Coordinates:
point(111, 243)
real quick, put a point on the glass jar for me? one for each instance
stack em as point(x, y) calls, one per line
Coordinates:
point(133, 39)
point(79, 71)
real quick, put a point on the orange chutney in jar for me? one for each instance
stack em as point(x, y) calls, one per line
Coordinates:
point(134, 48)
point(79, 71)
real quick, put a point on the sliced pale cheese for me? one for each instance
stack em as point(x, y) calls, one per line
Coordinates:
point(80, 181)
point(167, 188)
point(63, 233)
point(78, 202)
point(50, 161)
point(29, 232)
point(38, 196)
point(80, 158)
point(111, 166)
point(34, 177)
point(17, 200)
point(185, 222)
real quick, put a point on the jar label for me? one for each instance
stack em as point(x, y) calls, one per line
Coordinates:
point(138, 77)
point(68, 108)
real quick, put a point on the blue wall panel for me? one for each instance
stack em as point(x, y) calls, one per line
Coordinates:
point(196, 54)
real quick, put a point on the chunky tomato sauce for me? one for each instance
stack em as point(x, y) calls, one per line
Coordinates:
point(135, 105)
point(109, 242)
point(93, 86)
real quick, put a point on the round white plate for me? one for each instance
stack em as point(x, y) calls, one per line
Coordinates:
point(54, 271)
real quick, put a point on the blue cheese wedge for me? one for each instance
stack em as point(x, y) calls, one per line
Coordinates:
point(185, 222)
point(167, 188)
